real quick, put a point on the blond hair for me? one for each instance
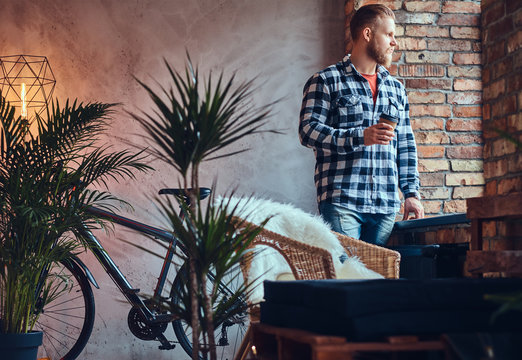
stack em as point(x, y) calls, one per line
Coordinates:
point(367, 16)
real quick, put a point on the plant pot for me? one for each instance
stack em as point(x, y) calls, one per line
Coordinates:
point(20, 346)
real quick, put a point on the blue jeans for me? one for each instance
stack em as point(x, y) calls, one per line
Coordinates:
point(372, 228)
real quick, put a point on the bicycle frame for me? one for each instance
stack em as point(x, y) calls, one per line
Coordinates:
point(117, 276)
point(147, 318)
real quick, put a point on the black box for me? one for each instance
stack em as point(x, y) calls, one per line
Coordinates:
point(432, 261)
point(368, 310)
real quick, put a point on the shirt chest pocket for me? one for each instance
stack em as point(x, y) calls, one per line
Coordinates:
point(393, 108)
point(347, 111)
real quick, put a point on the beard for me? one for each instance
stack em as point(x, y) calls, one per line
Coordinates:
point(380, 56)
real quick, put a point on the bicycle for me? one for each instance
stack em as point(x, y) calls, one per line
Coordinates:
point(68, 320)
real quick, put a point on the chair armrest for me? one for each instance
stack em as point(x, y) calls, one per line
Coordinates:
point(377, 258)
point(307, 262)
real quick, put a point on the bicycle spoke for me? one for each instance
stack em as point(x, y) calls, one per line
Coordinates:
point(63, 322)
point(65, 302)
point(242, 335)
point(237, 324)
point(64, 334)
point(49, 339)
point(80, 296)
point(63, 313)
point(68, 319)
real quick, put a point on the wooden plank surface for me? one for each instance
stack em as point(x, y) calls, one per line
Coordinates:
point(508, 261)
point(298, 335)
point(476, 235)
point(490, 207)
point(294, 344)
point(386, 347)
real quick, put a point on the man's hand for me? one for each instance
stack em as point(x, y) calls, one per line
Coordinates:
point(380, 134)
point(412, 204)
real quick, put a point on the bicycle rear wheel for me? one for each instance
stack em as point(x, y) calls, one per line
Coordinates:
point(228, 333)
point(67, 321)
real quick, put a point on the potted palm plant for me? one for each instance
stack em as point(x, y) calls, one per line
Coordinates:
point(196, 120)
point(46, 184)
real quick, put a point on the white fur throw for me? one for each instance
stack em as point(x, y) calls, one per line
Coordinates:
point(269, 264)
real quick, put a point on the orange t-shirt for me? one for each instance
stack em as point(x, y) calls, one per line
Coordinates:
point(372, 80)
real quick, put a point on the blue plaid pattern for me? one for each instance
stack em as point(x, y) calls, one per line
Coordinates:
point(337, 107)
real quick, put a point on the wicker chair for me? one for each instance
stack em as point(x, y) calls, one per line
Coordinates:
point(313, 263)
point(309, 262)
point(377, 258)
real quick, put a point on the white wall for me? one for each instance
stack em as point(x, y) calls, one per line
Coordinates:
point(95, 48)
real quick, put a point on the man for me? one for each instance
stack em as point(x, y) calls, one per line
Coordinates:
point(361, 163)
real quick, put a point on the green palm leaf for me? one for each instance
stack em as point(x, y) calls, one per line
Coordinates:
point(187, 127)
point(192, 121)
point(45, 194)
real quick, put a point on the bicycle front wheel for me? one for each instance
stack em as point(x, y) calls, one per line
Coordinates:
point(66, 321)
point(229, 333)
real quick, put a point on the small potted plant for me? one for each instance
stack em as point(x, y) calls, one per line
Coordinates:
point(46, 184)
point(195, 121)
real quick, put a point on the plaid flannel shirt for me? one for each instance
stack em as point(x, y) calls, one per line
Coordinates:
point(337, 107)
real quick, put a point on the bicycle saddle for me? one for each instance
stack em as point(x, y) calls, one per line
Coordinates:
point(203, 193)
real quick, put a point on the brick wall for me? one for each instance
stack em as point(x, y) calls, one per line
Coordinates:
point(502, 109)
point(439, 62)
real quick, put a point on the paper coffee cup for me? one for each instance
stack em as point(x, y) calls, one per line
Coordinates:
point(389, 119)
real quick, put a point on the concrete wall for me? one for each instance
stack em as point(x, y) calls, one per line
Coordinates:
point(96, 47)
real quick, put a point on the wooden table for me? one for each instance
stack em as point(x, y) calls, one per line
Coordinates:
point(276, 343)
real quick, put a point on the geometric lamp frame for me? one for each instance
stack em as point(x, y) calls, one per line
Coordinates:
point(27, 82)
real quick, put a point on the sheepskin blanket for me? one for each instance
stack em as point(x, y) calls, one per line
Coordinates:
point(289, 221)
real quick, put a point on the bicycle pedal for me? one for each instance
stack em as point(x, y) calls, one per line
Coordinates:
point(165, 344)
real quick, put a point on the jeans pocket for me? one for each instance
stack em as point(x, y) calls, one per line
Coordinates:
point(341, 220)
